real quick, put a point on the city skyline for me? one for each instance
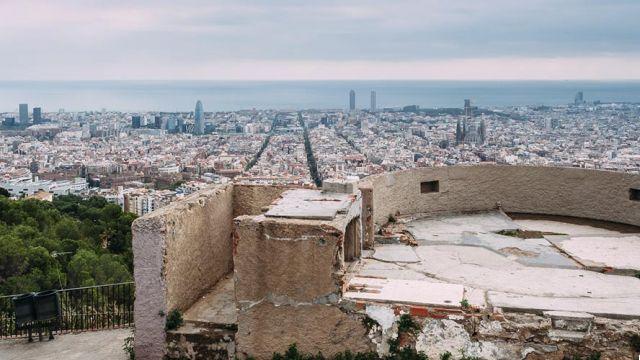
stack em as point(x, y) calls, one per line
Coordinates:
point(497, 39)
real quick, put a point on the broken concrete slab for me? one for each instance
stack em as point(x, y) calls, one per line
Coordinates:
point(404, 292)
point(310, 204)
point(395, 253)
point(379, 269)
point(439, 228)
point(620, 252)
point(615, 307)
point(485, 269)
point(571, 321)
point(560, 227)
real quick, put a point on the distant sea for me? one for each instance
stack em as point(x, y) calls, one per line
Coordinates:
point(239, 95)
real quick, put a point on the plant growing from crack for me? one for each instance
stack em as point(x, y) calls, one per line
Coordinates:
point(128, 347)
point(406, 324)
point(174, 320)
point(465, 304)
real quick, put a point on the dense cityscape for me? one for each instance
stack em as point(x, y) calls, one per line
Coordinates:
point(143, 161)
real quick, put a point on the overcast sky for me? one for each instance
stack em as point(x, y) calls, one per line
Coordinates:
point(319, 39)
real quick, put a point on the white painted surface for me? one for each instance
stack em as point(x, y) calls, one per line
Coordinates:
point(405, 292)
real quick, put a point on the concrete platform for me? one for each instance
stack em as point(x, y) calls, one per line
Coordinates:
point(217, 307)
point(531, 275)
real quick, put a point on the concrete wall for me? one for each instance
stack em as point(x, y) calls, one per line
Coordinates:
point(289, 275)
point(180, 251)
point(592, 194)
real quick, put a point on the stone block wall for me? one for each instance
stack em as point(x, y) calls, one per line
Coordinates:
point(591, 194)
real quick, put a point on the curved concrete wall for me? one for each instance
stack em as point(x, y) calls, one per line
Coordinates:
point(592, 194)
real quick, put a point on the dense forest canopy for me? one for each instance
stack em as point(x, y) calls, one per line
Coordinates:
point(69, 242)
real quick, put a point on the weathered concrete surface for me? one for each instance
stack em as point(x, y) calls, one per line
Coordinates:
point(518, 274)
point(97, 345)
point(252, 199)
point(404, 292)
point(621, 252)
point(217, 307)
point(448, 227)
point(395, 253)
point(277, 259)
point(310, 204)
point(614, 306)
point(591, 194)
point(560, 227)
point(264, 329)
point(484, 269)
point(180, 251)
point(479, 229)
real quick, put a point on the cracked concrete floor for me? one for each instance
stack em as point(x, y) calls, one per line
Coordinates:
point(496, 270)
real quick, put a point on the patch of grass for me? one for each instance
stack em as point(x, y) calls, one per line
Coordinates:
point(174, 320)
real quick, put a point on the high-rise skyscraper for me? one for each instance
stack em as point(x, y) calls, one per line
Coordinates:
point(459, 134)
point(199, 119)
point(373, 101)
point(468, 111)
point(37, 115)
point(482, 132)
point(352, 100)
point(136, 122)
point(24, 114)
point(579, 99)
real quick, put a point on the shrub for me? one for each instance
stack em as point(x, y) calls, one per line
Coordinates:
point(635, 342)
point(464, 303)
point(174, 320)
point(406, 324)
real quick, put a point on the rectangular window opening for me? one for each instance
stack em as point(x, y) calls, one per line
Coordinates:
point(430, 186)
point(634, 194)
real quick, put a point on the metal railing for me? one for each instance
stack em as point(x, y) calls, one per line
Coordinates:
point(83, 309)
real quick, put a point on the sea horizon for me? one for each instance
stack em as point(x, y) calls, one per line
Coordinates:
point(234, 95)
